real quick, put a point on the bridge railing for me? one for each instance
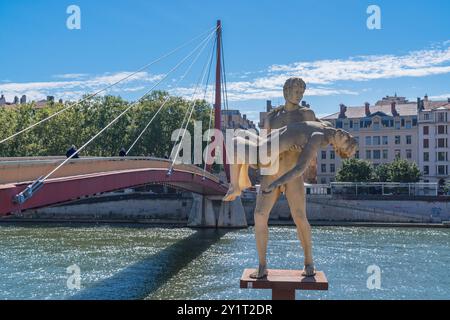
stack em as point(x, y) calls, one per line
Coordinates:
point(384, 188)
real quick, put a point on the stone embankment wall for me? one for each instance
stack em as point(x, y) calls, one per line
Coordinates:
point(176, 208)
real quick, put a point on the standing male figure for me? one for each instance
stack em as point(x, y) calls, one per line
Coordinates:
point(294, 189)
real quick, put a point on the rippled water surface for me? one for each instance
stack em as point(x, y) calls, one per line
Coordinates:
point(136, 262)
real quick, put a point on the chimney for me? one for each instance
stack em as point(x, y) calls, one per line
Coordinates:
point(245, 117)
point(448, 100)
point(367, 109)
point(268, 105)
point(425, 98)
point(342, 110)
point(393, 110)
point(419, 104)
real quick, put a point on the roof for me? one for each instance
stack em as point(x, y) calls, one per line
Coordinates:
point(407, 109)
point(436, 105)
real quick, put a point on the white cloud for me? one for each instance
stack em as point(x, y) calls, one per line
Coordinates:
point(444, 96)
point(321, 76)
point(73, 89)
point(72, 76)
point(363, 68)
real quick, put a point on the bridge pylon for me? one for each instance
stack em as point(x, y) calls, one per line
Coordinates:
point(212, 212)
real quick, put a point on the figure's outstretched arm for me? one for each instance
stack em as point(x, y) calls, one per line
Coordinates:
point(307, 154)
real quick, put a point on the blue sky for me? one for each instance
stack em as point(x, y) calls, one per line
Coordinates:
point(325, 42)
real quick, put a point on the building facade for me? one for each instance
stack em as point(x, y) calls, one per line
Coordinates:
point(393, 127)
point(384, 131)
point(434, 148)
point(233, 119)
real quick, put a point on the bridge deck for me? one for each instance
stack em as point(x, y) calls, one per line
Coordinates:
point(88, 176)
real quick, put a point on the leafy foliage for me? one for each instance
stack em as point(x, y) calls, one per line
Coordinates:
point(78, 124)
point(357, 170)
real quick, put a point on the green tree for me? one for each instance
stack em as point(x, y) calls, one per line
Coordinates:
point(403, 171)
point(355, 170)
point(382, 173)
point(79, 123)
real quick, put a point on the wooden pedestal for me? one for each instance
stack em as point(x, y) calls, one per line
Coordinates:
point(284, 282)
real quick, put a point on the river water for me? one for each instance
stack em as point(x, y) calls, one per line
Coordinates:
point(138, 262)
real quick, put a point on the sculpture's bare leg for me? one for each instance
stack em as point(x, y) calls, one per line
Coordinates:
point(264, 204)
point(295, 194)
point(234, 190)
point(244, 179)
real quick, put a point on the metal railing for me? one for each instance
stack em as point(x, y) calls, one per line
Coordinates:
point(384, 188)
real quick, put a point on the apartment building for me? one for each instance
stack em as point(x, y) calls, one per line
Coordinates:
point(434, 134)
point(384, 131)
point(233, 119)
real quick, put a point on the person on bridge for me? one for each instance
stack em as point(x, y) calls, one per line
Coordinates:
point(71, 151)
point(122, 152)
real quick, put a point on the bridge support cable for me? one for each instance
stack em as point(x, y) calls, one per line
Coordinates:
point(167, 99)
point(20, 197)
point(206, 70)
point(207, 33)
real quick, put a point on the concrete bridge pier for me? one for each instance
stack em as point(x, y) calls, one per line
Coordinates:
point(212, 212)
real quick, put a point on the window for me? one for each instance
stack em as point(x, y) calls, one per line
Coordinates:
point(376, 125)
point(324, 154)
point(357, 154)
point(426, 143)
point(426, 130)
point(356, 125)
point(426, 116)
point(323, 180)
point(442, 129)
point(426, 156)
point(332, 155)
point(385, 140)
point(442, 117)
point(385, 154)
point(442, 156)
point(339, 124)
point(426, 170)
point(442, 170)
point(442, 143)
point(376, 141)
point(397, 140)
point(397, 153)
point(346, 125)
point(376, 154)
point(408, 139)
point(368, 154)
point(368, 141)
point(323, 168)
point(408, 154)
point(397, 124)
point(332, 168)
point(408, 124)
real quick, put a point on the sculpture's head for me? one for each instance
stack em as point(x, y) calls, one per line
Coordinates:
point(293, 90)
point(344, 144)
